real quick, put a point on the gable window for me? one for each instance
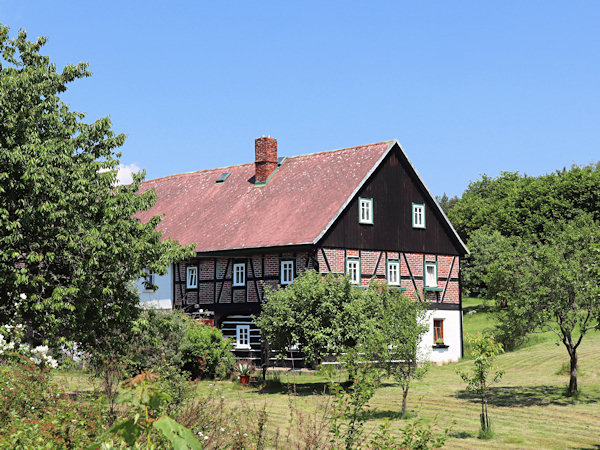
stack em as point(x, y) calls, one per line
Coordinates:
point(431, 275)
point(418, 215)
point(242, 336)
point(393, 273)
point(287, 272)
point(191, 276)
point(239, 274)
point(365, 210)
point(438, 331)
point(353, 270)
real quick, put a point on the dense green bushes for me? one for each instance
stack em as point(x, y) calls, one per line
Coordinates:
point(205, 353)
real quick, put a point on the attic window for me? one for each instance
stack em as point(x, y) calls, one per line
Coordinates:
point(365, 210)
point(418, 215)
point(223, 177)
point(281, 159)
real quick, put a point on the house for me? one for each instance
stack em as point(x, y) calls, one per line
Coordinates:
point(362, 211)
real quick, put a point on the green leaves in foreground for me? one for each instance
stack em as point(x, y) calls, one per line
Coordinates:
point(70, 242)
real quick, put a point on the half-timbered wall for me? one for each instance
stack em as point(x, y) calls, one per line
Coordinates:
point(215, 278)
point(373, 265)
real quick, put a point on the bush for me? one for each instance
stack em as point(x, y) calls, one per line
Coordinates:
point(157, 336)
point(34, 414)
point(206, 353)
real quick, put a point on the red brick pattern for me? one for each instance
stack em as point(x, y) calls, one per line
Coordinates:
point(266, 158)
point(205, 294)
point(412, 274)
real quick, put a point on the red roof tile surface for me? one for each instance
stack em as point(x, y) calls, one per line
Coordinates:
point(295, 207)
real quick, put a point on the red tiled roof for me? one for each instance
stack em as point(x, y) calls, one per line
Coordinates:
point(295, 207)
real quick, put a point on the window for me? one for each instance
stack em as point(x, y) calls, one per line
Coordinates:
point(365, 210)
point(418, 215)
point(239, 274)
point(438, 331)
point(242, 336)
point(287, 272)
point(192, 277)
point(353, 270)
point(393, 273)
point(431, 275)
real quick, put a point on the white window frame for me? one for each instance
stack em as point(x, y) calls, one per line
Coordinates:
point(242, 336)
point(353, 270)
point(365, 211)
point(426, 279)
point(286, 271)
point(391, 264)
point(191, 277)
point(239, 274)
point(418, 215)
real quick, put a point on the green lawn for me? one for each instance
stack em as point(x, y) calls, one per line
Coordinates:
point(527, 407)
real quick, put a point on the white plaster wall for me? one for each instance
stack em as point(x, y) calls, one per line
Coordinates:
point(162, 297)
point(452, 337)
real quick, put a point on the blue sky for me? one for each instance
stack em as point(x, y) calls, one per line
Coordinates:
point(466, 87)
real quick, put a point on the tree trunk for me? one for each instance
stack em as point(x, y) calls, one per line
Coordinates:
point(404, 396)
point(573, 376)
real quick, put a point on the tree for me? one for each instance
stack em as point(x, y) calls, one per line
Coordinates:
point(484, 373)
point(324, 314)
point(398, 326)
point(70, 244)
point(553, 285)
point(445, 202)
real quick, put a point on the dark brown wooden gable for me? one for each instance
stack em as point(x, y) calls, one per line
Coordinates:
point(394, 187)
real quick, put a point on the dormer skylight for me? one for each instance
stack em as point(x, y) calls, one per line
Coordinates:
point(223, 177)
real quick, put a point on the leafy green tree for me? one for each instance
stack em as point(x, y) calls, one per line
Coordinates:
point(520, 205)
point(398, 325)
point(446, 203)
point(484, 373)
point(70, 244)
point(553, 285)
point(324, 314)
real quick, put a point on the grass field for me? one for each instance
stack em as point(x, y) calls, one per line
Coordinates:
point(527, 407)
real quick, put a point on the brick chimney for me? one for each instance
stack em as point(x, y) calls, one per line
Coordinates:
point(266, 158)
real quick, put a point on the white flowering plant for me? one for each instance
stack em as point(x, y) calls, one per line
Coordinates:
point(12, 348)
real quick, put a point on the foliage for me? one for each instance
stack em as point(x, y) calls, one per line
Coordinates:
point(553, 285)
point(14, 349)
point(70, 243)
point(147, 425)
point(324, 314)
point(156, 340)
point(206, 353)
point(34, 413)
point(418, 435)
point(485, 373)
point(397, 326)
point(245, 368)
point(347, 422)
point(520, 205)
point(446, 203)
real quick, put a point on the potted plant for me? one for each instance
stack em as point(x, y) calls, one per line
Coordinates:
point(244, 369)
point(439, 341)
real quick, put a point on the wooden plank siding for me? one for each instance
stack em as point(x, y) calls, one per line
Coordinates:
point(394, 187)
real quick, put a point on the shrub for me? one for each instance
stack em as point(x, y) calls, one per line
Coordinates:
point(34, 414)
point(206, 353)
point(156, 340)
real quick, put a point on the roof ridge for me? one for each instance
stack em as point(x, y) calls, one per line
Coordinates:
point(249, 163)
